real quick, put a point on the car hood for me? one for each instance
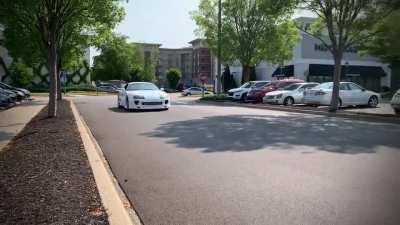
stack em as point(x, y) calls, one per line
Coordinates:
point(7, 92)
point(238, 89)
point(277, 92)
point(150, 94)
point(23, 91)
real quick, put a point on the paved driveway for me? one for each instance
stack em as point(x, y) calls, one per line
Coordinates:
point(13, 120)
point(199, 164)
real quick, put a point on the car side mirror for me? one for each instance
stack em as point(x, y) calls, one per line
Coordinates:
point(363, 89)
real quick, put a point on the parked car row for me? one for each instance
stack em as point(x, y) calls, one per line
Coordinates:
point(293, 91)
point(9, 95)
point(108, 87)
point(195, 91)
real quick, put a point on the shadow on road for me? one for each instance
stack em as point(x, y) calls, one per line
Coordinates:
point(254, 132)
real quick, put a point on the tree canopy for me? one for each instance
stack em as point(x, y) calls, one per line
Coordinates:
point(385, 44)
point(343, 24)
point(252, 30)
point(118, 60)
point(54, 29)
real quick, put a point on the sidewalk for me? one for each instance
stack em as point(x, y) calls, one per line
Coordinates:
point(376, 115)
point(13, 120)
point(45, 174)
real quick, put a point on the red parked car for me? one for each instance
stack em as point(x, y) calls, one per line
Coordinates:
point(256, 94)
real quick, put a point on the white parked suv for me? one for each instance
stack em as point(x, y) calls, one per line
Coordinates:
point(349, 94)
point(241, 92)
point(396, 102)
point(292, 94)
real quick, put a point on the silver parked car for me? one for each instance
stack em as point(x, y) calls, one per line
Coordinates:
point(349, 94)
point(290, 95)
point(396, 102)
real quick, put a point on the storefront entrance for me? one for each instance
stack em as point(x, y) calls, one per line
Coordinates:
point(366, 76)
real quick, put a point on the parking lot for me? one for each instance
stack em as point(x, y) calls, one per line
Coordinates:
point(207, 164)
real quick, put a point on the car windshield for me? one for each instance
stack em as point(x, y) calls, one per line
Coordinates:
point(260, 84)
point(141, 87)
point(246, 85)
point(5, 86)
point(292, 87)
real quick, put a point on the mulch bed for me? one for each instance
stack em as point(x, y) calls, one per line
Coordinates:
point(45, 177)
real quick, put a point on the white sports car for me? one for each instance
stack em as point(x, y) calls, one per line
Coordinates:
point(143, 95)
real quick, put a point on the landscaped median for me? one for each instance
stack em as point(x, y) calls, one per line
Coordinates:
point(45, 175)
point(223, 100)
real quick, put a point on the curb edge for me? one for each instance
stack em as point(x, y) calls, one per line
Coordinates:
point(118, 207)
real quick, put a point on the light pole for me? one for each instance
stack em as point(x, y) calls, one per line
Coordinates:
point(219, 47)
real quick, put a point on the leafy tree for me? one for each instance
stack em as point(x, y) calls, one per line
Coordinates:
point(228, 81)
point(385, 44)
point(253, 30)
point(343, 24)
point(119, 60)
point(50, 26)
point(150, 66)
point(173, 77)
point(21, 75)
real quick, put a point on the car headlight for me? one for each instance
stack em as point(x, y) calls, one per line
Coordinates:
point(279, 96)
point(138, 97)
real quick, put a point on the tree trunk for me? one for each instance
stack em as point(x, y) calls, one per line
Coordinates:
point(6, 72)
point(246, 73)
point(336, 83)
point(59, 89)
point(52, 109)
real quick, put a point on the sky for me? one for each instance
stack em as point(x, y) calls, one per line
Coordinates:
point(166, 22)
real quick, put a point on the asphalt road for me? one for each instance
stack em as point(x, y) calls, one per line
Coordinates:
point(199, 164)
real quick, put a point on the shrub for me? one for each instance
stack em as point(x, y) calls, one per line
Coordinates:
point(222, 97)
point(21, 75)
point(173, 77)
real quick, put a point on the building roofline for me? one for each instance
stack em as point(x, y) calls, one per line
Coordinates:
point(149, 44)
point(195, 40)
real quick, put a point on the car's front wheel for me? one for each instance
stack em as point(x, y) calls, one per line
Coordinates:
point(373, 101)
point(119, 103)
point(127, 103)
point(244, 97)
point(289, 101)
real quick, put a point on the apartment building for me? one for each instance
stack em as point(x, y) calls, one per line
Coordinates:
point(181, 59)
point(195, 62)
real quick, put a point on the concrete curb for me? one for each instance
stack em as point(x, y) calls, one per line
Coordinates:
point(348, 115)
point(118, 207)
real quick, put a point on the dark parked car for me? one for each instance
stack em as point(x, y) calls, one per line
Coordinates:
point(21, 92)
point(257, 94)
point(4, 100)
point(9, 95)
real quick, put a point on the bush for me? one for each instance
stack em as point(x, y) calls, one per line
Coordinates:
point(68, 88)
point(173, 77)
point(21, 75)
point(222, 97)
